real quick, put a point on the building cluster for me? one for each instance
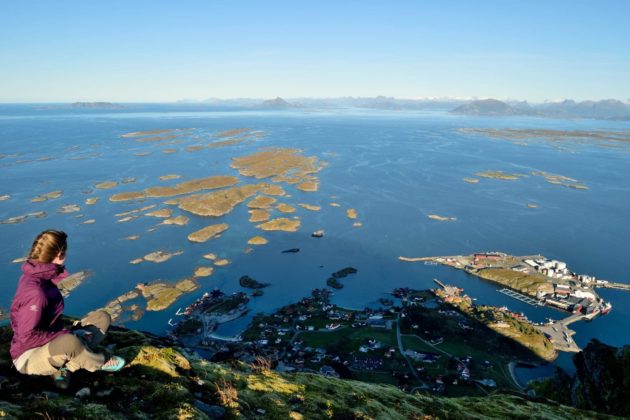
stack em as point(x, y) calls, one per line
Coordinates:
point(283, 339)
point(571, 292)
point(462, 368)
point(425, 357)
point(275, 337)
point(550, 268)
point(486, 257)
point(557, 270)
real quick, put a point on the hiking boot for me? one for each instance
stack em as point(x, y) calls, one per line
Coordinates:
point(61, 378)
point(114, 364)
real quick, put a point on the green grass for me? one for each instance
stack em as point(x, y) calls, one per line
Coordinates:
point(164, 382)
point(320, 321)
point(498, 372)
point(526, 283)
point(415, 343)
point(436, 368)
point(374, 377)
point(349, 339)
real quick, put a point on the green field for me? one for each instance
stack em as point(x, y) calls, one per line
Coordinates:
point(413, 342)
point(348, 339)
point(499, 362)
point(374, 377)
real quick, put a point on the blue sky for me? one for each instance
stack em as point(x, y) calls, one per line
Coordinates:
point(168, 50)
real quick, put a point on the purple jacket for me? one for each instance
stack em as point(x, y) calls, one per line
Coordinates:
point(37, 307)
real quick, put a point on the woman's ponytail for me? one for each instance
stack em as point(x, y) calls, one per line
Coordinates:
point(48, 245)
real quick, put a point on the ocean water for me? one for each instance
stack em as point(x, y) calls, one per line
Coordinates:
point(393, 167)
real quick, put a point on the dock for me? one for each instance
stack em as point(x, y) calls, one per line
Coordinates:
point(619, 286)
point(560, 335)
point(439, 283)
point(571, 319)
point(523, 298)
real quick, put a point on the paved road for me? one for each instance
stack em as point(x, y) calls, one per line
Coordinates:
point(402, 351)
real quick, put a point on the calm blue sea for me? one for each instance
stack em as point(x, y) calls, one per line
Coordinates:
point(393, 167)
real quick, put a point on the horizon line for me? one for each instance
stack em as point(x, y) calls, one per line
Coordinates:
point(191, 101)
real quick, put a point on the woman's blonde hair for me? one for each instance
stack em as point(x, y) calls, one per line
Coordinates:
point(48, 245)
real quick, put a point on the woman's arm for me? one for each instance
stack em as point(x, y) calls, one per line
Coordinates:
point(28, 319)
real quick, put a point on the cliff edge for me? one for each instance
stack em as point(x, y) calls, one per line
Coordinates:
point(162, 380)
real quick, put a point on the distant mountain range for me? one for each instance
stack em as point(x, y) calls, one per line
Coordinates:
point(378, 102)
point(278, 103)
point(83, 105)
point(609, 109)
point(605, 109)
point(96, 105)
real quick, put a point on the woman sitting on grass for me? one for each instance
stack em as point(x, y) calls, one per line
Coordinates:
point(41, 345)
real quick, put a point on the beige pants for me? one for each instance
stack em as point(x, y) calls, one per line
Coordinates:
point(70, 351)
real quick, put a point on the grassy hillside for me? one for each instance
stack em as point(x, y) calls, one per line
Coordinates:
point(162, 381)
point(525, 283)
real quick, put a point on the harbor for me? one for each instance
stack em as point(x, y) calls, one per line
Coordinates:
point(522, 297)
point(560, 335)
point(540, 282)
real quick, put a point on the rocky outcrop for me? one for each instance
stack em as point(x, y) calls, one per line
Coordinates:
point(250, 283)
point(162, 380)
point(602, 379)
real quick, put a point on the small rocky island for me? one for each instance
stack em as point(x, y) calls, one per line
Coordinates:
point(250, 283)
point(334, 282)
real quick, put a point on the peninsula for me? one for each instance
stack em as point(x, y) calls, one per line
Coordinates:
point(539, 281)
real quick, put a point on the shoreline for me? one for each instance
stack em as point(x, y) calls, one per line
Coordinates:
point(546, 282)
point(511, 369)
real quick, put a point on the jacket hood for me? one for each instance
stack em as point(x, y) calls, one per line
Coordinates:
point(40, 270)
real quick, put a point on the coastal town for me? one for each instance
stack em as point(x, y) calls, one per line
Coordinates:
point(435, 340)
point(438, 340)
point(539, 281)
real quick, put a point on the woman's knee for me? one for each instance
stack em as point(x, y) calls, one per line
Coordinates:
point(104, 320)
point(100, 319)
point(67, 344)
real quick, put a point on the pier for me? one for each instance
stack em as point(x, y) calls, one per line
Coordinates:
point(439, 283)
point(523, 298)
point(619, 286)
point(571, 319)
point(560, 335)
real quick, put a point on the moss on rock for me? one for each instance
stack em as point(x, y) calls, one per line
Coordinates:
point(162, 380)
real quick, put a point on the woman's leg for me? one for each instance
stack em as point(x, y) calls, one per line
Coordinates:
point(38, 363)
point(65, 350)
point(97, 323)
point(70, 351)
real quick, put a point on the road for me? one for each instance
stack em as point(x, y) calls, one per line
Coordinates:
point(402, 351)
point(511, 367)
